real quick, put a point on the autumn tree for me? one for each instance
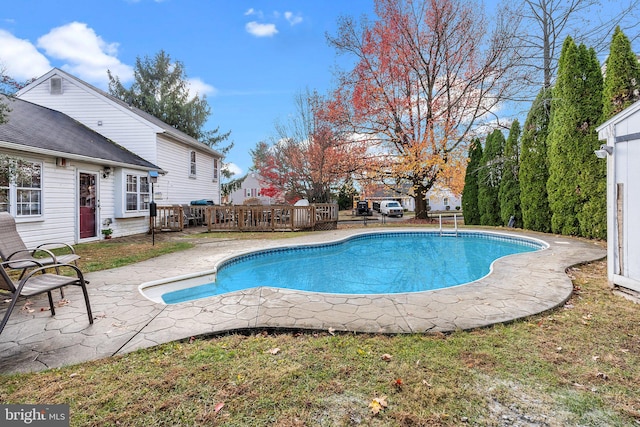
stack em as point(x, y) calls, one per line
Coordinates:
point(577, 179)
point(426, 72)
point(161, 88)
point(622, 76)
point(489, 176)
point(509, 189)
point(470, 208)
point(310, 156)
point(534, 165)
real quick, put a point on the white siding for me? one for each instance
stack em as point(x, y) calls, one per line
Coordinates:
point(177, 186)
point(623, 181)
point(91, 108)
point(251, 181)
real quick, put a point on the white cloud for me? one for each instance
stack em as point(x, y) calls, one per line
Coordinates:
point(198, 87)
point(261, 30)
point(233, 169)
point(293, 19)
point(88, 56)
point(20, 58)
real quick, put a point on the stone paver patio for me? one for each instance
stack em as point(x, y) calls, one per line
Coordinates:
point(125, 320)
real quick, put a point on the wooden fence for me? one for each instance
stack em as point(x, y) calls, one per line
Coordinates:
point(246, 218)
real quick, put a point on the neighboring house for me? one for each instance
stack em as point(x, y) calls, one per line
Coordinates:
point(249, 187)
point(622, 153)
point(66, 190)
point(439, 198)
point(189, 169)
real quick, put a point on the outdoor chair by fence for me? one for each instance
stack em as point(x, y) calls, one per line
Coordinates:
point(14, 250)
point(37, 281)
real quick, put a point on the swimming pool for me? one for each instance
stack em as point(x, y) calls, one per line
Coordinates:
point(369, 263)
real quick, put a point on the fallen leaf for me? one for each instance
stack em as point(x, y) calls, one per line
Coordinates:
point(398, 384)
point(425, 382)
point(191, 340)
point(378, 404)
point(75, 374)
point(218, 407)
point(274, 351)
point(602, 375)
point(386, 357)
point(332, 331)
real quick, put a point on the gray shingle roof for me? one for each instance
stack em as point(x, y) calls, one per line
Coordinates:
point(39, 127)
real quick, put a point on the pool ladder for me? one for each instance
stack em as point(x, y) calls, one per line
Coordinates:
point(452, 233)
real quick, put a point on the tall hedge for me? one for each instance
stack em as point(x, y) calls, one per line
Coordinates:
point(489, 177)
point(622, 78)
point(574, 187)
point(509, 190)
point(534, 165)
point(470, 208)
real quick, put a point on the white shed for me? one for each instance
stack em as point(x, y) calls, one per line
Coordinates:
point(622, 154)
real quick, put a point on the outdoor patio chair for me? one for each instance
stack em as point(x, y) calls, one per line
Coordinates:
point(37, 281)
point(188, 216)
point(14, 250)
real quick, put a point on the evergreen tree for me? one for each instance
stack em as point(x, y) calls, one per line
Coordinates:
point(574, 172)
point(622, 80)
point(489, 177)
point(470, 192)
point(534, 165)
point(509, 190)
point(593, 171)
point(161, 89)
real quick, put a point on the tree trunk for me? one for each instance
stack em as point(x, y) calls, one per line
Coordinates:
point(421, 202)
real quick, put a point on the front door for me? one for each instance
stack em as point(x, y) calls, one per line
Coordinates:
point(87, 203)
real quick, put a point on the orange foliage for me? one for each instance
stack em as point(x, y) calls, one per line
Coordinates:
point(425, 74)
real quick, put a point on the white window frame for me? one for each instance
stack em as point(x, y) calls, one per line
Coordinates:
point(139, 187)
point(215, 170)
point(19, 195)
point(192, 163)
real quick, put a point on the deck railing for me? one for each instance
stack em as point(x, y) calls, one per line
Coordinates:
point(322, 216)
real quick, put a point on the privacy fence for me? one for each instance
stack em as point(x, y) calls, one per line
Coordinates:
point(322, 216)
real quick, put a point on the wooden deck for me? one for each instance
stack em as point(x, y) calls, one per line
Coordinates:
point(322, 216)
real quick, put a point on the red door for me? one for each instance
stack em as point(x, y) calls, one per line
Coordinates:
point(87, 204)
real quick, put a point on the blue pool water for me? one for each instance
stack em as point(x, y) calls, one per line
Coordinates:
point(380, 263)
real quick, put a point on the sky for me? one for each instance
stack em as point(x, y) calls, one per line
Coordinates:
point(250, 58)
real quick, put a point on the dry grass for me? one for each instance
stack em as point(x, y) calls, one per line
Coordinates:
point(577, 365)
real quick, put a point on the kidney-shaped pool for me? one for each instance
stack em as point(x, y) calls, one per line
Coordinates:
point(370, 263)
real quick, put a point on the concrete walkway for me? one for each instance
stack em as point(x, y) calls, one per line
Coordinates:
point(125, 320)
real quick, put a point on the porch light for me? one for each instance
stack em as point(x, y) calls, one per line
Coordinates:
point(604, 151)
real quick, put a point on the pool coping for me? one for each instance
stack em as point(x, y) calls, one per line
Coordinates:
point(519, 286)
point(155, 289)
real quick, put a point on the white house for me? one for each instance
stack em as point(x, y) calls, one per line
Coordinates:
point(189, 169)
point(439, 198)
point(621, 151)
point(65, 190)
point(250, 187)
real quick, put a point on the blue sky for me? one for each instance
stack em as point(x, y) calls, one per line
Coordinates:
point(249, 57)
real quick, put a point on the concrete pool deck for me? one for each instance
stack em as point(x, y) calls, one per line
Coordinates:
point(125, 320)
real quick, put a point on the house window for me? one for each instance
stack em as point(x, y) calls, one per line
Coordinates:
point(445, 201)
point(137, 192)
point(254, 192)
point(192, 164)
point(22, 194)
point(215, 169)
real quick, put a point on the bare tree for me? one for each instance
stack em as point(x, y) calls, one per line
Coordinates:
point(547, 23)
